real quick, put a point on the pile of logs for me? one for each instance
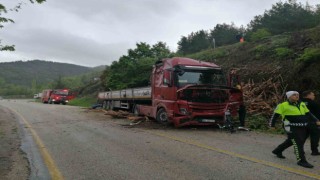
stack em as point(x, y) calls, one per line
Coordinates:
point(125, 114)
point(262, 98)
point(117, 114)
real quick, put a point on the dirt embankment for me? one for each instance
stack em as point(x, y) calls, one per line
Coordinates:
point(13, 162)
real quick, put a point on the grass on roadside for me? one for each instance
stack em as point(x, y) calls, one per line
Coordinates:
point(261, 123)
point(83, 101)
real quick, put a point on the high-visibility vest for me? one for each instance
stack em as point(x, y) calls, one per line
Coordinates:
point(294, 113)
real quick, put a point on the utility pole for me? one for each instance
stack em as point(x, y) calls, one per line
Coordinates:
point(214, 43)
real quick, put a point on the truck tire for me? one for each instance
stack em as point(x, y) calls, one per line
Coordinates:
point(162, 117)
point(135, 110)
point(105, 105)
point(111, 105)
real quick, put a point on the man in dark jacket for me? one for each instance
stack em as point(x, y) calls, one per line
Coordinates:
point(312, 128)
point(294, 115)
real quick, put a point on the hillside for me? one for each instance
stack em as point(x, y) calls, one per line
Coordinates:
point(271, 66)
point(24, 73)
point(295, 57)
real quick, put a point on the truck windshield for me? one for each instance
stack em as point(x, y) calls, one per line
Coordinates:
point(208, 76)
point(60, 92)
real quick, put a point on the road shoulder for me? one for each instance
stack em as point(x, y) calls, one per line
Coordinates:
point(13, 161)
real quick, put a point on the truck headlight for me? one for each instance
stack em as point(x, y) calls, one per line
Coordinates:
point(183, 111)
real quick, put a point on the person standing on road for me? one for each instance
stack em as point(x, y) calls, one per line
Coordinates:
point(234, 80)
point(294, 115)
point(312, 128)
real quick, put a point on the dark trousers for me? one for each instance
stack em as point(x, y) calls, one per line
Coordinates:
point(297, 138)
point(313, 132)
point(242, 114)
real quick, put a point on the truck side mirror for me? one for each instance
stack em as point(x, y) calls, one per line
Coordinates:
point(167, 78)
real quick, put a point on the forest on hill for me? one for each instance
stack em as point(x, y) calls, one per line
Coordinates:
point(27, 78)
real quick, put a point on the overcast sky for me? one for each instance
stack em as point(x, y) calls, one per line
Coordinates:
point(97, 32)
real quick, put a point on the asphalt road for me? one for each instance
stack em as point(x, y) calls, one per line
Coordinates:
point(75, 143)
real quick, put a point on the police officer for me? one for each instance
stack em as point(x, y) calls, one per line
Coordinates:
point(294, 115)
point(312, 129)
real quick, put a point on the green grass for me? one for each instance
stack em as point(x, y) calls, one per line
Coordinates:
point(83, 101)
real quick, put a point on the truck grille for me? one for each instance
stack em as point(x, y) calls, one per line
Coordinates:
point(201, 107)
point(204, 95)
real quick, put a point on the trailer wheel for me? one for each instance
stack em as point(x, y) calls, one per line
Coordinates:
point(104, 105)
point(109, 105)
point(162, 117)
point(135, 110)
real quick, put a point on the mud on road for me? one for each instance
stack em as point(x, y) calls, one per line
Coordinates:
point(13, 161)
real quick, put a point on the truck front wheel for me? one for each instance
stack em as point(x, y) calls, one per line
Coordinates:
point(162, 117)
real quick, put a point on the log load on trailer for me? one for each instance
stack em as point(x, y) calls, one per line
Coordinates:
point(183, 91)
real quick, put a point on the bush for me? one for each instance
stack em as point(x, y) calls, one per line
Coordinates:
point(310, 55)
point(261, 123)
point(260, 34)
point(210, 54)
point(257, 122)
point(283, 53)
point(260, 50)
point(83, 101)
point(219, 53)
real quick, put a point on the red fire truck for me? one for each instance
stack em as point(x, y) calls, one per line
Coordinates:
point(57, 96)
point(183, 91)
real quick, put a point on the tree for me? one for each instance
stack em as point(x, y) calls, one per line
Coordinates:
point(225, 34)
point(195, 42)
point(134, 69)
point(59, 84)
point(160, 51)
point(183, 46)
point(3, 20)
point(286, 17)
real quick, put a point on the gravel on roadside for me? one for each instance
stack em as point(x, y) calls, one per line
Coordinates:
point(13, 161)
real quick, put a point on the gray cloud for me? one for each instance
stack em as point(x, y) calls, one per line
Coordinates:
point(98, 32)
